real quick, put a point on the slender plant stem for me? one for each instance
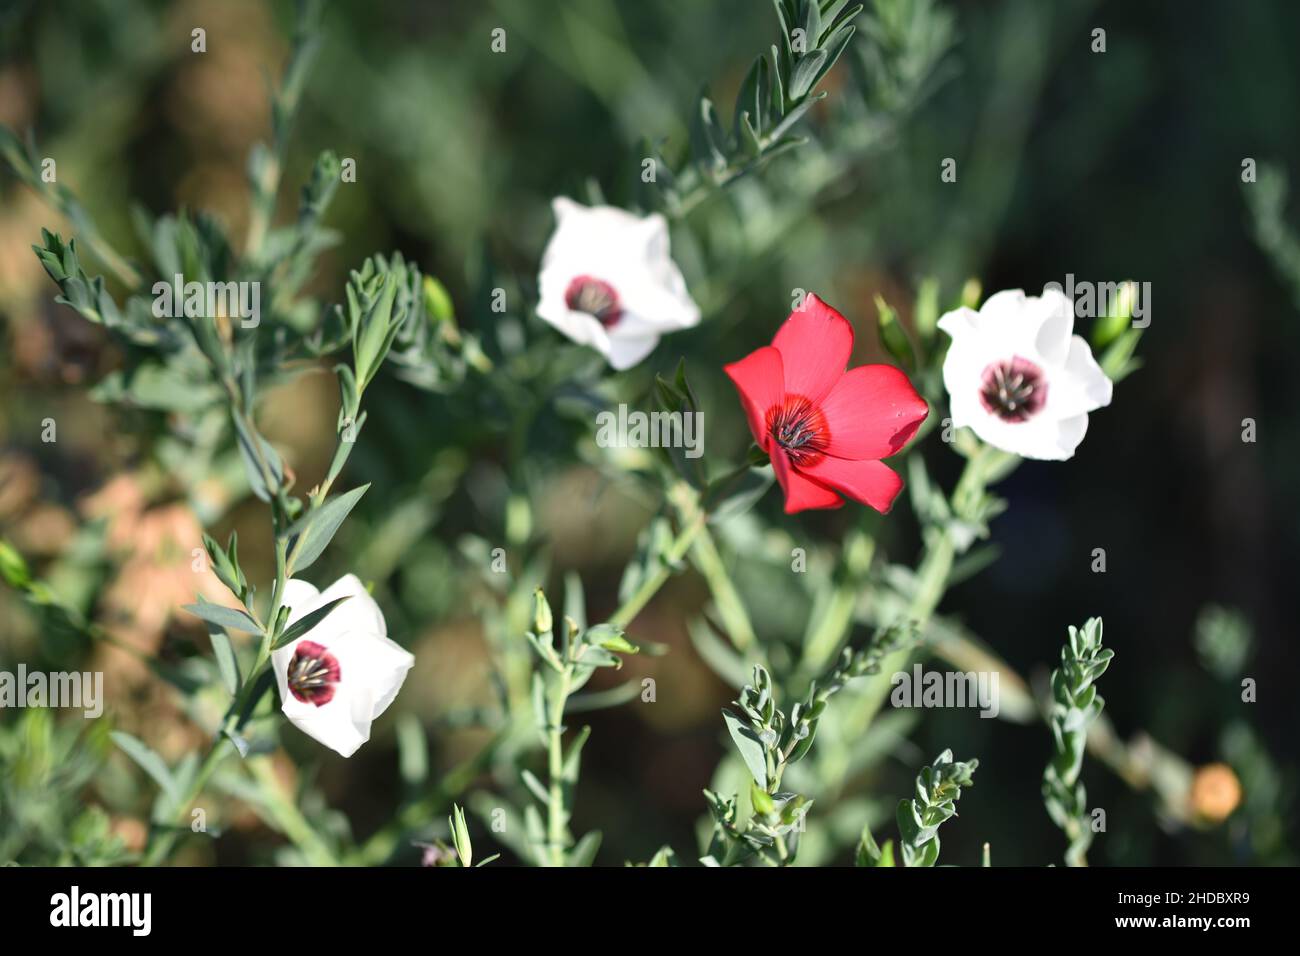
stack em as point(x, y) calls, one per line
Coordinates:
point(694, 518)
point(557, 823)
point(161, 841)
point(285, 814)
point(380, 846)
point(931, 583)
point(837, 618)
point(704, 553)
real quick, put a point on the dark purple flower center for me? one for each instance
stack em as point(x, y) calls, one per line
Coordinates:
point(596, 297)
point(313, 672)
point(1014, 390)
point(799, 427)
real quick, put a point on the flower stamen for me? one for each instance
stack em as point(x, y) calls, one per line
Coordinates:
point(1014, 390)
point(313, 673)
point(596, 297)
point(799, 427)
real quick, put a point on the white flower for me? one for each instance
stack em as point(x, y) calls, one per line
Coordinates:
point(607, 281)
point(343, 673)
point(1019, 378)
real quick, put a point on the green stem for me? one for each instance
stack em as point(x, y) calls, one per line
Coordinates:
point(694, 518)
point(263, 206)
point(380, 846)
point(708, 561)
point(837, 619)
point(931, 583)
point(557, 814)
point(285, 815)
point(162, 841)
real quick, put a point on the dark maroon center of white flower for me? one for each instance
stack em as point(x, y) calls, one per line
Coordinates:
point(799, 427)
point(596, 297)
point(1013, 390)
point(313, 672)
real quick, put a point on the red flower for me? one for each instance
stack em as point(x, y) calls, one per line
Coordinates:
point(825, 429)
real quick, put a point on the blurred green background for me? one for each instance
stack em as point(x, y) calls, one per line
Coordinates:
point(1117, 165)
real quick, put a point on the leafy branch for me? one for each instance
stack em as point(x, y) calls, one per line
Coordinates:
point(768, 742)
point(302, 530)
point(776, 93)
point(265, 164)
point(568, 666)
point(938, 788)
point(426, 349)
point(1075, 705)
point(25, 162)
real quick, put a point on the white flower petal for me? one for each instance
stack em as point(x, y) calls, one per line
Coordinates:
point(1054, 314)
point(1070, 432)
point(1036, 437)
point(358, 613)
point(626, 351)
point(342, 725)
point(1083, 387)
point(1004, 306)
point(658, 295)
point(563, 207)
point(960, 322)
point(390, 663)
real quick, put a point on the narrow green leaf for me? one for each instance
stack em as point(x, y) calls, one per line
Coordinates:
point(412, 750)
point(573, 760)
point(256, 452)
point(305, 623)
point(223, 616)
point(806, 72)
point(148, 760)
point(227, 663)
point(536, 787)
point(584, 854)
point(752, 751)
point(311, 533)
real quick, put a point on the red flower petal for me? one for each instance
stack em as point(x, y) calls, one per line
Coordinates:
point(801, 494)
point(761, 382)
point(870, 482)
point(871, 412)
point(815, 343)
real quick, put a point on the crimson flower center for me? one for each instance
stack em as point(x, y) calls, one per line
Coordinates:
point(799, 427)
point(1014, 390)
point(596, 297)
point(313, 673)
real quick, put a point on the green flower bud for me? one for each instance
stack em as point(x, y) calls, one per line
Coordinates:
point(620, 644)
point(542, 620)
point(892, 336)
point(12, 566)
point(437, 302)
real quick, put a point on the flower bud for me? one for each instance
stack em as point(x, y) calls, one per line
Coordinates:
point(542, 620)
point(12, 566)
point(892, 336)
point(619, 643)
point(437, 303)
point(1110, 327)
point(460, 835)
